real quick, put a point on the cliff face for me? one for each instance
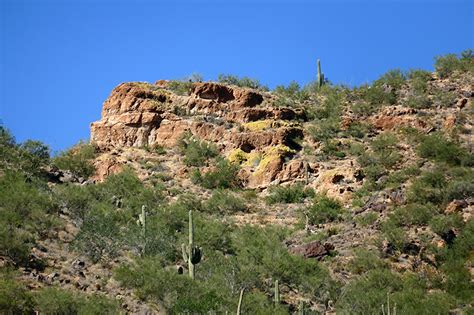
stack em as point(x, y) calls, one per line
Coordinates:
point(239, 121)
point(271, 143)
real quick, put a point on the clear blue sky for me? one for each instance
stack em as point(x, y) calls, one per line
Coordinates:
point(61, 59)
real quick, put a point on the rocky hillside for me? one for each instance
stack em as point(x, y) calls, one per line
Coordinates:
point(345, 199)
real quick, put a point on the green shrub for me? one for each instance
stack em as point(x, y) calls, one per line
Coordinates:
point(77, 160)
point(366, 260)
point(324, 130)
point(366, 294)
point(441, 224)
point(428, 188)
point(100, 236)
point(436, 147)
point(24, 215)
point(291, 95)
point(57, 301)
point(443, 98)
point(367, 219)
point(224, 202)
point(394, 234)
point(448, 64)
point(14, 297)
point(26, 158)
point(418, 101)
point(364, 108)
point(385, 148)
point(359, 129)
point(151, 281)
point(393, 78)
point(323, 210)
point(289, 194)
point(196, 152)
point(222, 176)
point(383, 90)
point(183, 86)
point(241, 82)
point(419, 80)
point(413, 214)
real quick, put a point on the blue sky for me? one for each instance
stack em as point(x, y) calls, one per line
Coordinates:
point(60, 59)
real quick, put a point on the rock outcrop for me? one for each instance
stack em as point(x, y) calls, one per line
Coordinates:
point(237, 119)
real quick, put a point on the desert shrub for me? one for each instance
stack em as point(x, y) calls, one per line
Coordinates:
point(394, 234)
point(14, 297)
point(399, 177)
point(418, 101)
point(224, 202)
point(125, 190)
point(367, 219)
point(460, 189)
point(77, 160)
point(26, 158)
point(222, 176)
point(331, 106)
point(289, 194)
point(25, 213)
point(57, 301)
point(441, 224)
point(414, 299)
point(446, 65)
point(413, 214)
point(261, 255)
point(196, 152)
point(393, 78)
point(241, 82)
point(323, 210)
point(332, 148)
point(291, 95)
point(428, 188)
point(384, 146)
point(363, 108)
point(443, 98)
point(440, 149)
point(76, 200)
point(366, 260)
point(324, 130)
point(183, 87)
point(359, 129)
point(419, 80)
point(184, 296)
point(366, 294)
point(100, 237)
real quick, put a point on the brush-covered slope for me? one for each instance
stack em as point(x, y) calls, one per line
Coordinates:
point(352, 198)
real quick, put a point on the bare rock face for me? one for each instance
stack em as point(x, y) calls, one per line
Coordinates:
point(258, 137)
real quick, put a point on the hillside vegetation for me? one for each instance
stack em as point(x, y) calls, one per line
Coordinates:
point(368, 210)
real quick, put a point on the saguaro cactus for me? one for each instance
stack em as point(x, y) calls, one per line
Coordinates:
point(277, 293)
point(142, 222)
point(320, 75)
point(301, 308)
point(240, 301)
point(191, 253)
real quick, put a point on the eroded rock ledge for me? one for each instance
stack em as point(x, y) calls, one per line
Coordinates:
point(238, 120)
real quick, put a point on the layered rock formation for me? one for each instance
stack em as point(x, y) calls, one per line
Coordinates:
point(259, 137)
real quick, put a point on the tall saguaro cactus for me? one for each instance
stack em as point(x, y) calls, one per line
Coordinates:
point(239, 306)
point(142, 222)
point(191, 253)
point(320, 75)
point(277, 293)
